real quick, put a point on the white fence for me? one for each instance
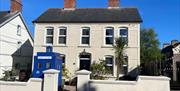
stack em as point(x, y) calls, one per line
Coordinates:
point(143, 83)
point(50, 83)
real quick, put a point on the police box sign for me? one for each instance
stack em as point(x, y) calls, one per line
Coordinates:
point(44, 57)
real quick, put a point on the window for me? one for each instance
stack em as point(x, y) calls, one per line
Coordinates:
point(63, 58)
point(109, 37)
point(109, 63)
point(85, 38)
point(19, 43)
point(124, 35)
point(39, 65)
point(48, 65)
point(62, 35)
point(125, 65)
point(49, 36)
point(19, 30)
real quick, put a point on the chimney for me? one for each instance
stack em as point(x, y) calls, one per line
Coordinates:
point(16, 5)
point(113, 3)
point(69, 4)
point(173, 42)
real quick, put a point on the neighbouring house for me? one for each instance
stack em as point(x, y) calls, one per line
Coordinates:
point(16, 42)
point(86, 35)
point(172, 60)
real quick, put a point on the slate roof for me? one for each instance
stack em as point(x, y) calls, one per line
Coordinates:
point(5, 15)
point(89, 15)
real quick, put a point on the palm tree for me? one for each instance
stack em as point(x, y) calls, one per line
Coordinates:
point(119, 51)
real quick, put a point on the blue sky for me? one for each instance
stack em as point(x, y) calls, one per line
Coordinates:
point(162, 15)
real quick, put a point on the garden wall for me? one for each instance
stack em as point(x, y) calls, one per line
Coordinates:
point(143, 83)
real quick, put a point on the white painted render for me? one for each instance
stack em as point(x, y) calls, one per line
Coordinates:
point(10, 52)
point(97, 47)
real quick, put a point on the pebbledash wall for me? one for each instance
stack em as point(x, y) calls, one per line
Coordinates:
point(143, 83)
point(49, 83)
point(97, 46)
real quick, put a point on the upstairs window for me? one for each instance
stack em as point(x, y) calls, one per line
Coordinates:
point(124, 35)
point(19, 30)
point(49, 36)
point(109, 63)
point(62, 35)
point(109, 36)
point(85, 38)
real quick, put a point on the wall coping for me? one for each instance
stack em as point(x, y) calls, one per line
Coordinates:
point(83, 72)
point(113, 82)
point(51, 71)
point(154, 78)
point(21, 83)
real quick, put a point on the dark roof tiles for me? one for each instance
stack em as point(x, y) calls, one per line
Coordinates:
point(5, 15)
point(89, 15)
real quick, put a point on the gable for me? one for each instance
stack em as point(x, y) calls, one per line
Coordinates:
point(12, 17)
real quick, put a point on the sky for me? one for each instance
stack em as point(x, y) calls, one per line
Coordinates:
point(162, 15)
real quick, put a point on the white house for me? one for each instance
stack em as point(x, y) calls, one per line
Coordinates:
point(16, 42)
point(86, 35)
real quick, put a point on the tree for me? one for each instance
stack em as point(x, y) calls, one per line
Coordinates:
point(149, 45)
point(119, 51)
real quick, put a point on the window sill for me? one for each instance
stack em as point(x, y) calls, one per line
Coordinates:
point(60, 46)
point(86, 46)
point(107, 46)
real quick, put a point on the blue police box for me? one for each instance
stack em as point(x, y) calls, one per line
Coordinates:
point(47, 60)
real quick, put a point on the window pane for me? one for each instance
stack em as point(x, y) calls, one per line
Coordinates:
point(48, 65)
point(109, 60)
point(49, 31)
point(19, 30)
point(62, 40)
point(85, 32)
point(39, 65)
point(109, 64)
point(109, 32)
point(62, 32)
point(49, 40)
point(85, 40)
point(124, 39)
point(123, 32)
point(109, 40)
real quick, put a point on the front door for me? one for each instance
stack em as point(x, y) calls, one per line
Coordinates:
point(85, 62)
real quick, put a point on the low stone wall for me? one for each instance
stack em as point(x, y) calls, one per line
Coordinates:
point(34, 84)
point(143, 83)
point(49, 83)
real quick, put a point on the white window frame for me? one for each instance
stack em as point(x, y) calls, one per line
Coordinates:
point(108, 36)
point(58, 34)
point(49, 44)
point(81, 36)
point(19, 30)
point(113, 62)
point(119, 31)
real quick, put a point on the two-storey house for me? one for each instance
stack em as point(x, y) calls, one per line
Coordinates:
point(86, 35)
point(16, 42)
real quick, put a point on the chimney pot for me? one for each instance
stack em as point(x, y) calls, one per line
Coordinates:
point(16, 5)
point(69, 4)
point(113, 3)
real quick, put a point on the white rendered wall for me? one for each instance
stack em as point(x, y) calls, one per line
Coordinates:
point(9, 46)
point(97, 48)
